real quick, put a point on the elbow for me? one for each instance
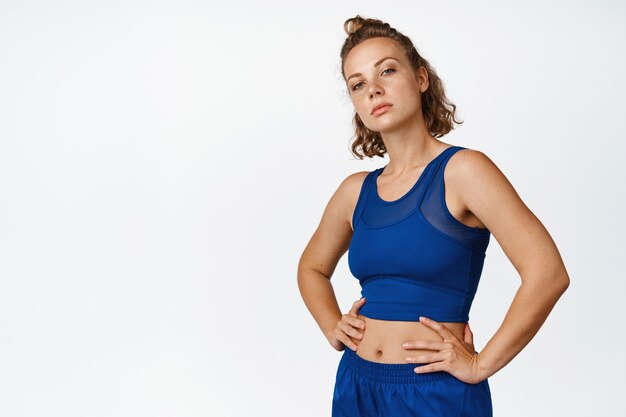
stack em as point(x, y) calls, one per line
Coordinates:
point(563, 277)
point(562, 282)
point(555, 283)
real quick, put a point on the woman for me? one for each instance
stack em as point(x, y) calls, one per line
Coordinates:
point(417, 230)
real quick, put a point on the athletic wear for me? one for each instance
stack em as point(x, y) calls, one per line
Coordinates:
point(411, 256)
point(371, 389)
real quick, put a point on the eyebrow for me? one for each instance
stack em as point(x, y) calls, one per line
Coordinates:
point(376, 64)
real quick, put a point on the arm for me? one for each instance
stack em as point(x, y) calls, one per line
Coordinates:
point(488, 194)
point(329, 243)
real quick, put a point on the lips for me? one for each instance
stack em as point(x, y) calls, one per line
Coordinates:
point(381, 108)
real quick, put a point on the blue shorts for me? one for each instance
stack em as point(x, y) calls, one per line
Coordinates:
point(365, 388)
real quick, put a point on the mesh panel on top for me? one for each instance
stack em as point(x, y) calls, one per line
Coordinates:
point(426, 197)
point(434, 208)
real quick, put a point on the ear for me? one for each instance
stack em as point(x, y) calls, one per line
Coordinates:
point(421, 76)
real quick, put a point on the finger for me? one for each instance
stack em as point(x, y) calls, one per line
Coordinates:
point(438, 327)
point(354, 321)
point(435, 357)
point(346, 340)
point(349, 343)
point(433, 367)
point(356, 306)
point(425, 344)
point(347, 321)
point(350, 331)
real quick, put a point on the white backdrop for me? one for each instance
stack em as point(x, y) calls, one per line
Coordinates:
point(164, 163)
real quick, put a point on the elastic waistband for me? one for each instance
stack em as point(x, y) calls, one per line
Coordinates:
point(396, 373)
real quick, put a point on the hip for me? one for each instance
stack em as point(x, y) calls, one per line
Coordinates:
point(365, 389)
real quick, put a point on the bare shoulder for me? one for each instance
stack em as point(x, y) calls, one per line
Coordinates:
point(470, 161)
point(351, 185)
point(481, 186)
point(332, 236)
point(347, 193)
point(355, 180)
point(489, 195)
point(338, 212)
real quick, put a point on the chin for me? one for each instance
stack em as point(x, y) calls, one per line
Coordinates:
point(387, 126)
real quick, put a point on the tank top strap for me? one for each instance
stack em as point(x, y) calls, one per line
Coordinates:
point(434, 208)
point(432, 179)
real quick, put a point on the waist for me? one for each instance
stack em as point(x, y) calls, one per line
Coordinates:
point(382, 339)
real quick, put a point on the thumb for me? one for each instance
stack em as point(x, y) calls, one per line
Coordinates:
point(356, 306)
point(468, 336)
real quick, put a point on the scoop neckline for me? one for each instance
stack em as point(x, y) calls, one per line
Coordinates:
point(419, 179)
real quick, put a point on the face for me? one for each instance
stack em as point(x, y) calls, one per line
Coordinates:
point(373, 80)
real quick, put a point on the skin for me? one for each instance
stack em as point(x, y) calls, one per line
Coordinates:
point(477, 194)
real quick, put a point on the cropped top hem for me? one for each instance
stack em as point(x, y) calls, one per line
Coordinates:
point(416, 317)
point(367, 281)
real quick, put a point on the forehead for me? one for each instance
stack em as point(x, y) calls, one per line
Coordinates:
point(365, 54)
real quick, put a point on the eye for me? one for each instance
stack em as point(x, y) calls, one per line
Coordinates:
point(355, 86)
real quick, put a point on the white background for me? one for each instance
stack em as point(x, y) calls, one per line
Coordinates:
point(164, 163)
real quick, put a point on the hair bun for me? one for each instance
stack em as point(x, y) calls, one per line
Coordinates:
point(353, 24)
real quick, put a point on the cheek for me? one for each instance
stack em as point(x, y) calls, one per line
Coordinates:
point(361, 106)
point(407, 90)
point(410, 97)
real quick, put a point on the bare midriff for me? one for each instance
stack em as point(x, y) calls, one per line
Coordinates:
point(382, 339)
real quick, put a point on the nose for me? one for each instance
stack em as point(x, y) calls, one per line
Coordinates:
point(375, 89)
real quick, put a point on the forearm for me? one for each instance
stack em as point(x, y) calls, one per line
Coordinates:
point(319, 297)
point(528, 311)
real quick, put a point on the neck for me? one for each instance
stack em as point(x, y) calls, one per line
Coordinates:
point(409, 147)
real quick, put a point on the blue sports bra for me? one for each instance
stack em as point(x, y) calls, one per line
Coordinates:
point(411, 256)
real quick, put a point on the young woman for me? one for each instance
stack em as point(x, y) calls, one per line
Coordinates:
point(417, 230)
